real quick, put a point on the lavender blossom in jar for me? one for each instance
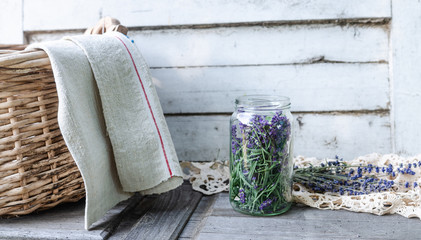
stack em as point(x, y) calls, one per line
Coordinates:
point(261, 155)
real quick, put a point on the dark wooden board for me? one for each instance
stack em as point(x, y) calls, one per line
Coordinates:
point(130, 219)
point(164, 216)
point(198, 219)
point(113, 224)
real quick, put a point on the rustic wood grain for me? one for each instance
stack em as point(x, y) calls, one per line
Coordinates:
point(164, 216)
point(305, 223)
point(60, 13)
point(62, 222)
point(406, 75)
point(259, 45)
point(200, 64)
point(311, 87)
point(198, 219)
point(117, 220)
point(206, 138)
point(314, 86)
point(256, 45)
point(170, 213)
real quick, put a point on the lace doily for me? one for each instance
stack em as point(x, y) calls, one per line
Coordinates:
point(207, 177)
point(402, 200)
point(213, 177)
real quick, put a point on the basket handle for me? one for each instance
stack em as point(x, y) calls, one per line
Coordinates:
point(107, 24)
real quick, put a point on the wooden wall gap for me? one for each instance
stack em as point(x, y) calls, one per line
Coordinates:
point(315, 60)
point(363, 22)
point(366, 22)
point(379, 112)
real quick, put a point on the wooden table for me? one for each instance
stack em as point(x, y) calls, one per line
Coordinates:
point(186, 214)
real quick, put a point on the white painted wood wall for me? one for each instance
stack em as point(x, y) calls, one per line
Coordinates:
point(351, 68)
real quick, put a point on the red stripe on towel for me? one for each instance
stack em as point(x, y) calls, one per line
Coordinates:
point(149, 105)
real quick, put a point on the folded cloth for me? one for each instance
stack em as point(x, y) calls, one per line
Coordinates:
point(111, 120)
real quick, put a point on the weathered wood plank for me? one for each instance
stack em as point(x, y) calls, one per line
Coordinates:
point(164, 216)
point(62, 222)
point(11, 22)
point(66, 221)
point(256, 45)
point(406, 84)
point(111, 227)
point(305, 223)
point(169, 13)
point(349, 136)
point(60, 14)
point(311, 87)
point(198, 219)
point(51, 36)
point(206, 138)
point(262, 45)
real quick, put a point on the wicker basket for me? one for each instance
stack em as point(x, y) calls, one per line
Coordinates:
point(36, 169)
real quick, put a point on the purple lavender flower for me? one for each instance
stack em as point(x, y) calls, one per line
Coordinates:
point(234, 130)
point(242, 195)
point(235, 142)
point(329, 178)
point(265, 203)
point(242, 126)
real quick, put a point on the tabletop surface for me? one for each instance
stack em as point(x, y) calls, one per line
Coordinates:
point(186, 214)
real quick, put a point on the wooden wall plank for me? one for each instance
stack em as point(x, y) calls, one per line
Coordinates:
point(406, 84)
point(256, 45)
point(230, 11)
point(311, 87)
point(262, 45)
point(206, 138)
point(11, 31)
point(200, 138)
point(208, 59)
point(50, 36)
point(349, 136)
point(60, 13)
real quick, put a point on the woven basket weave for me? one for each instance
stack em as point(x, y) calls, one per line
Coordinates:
point(36, 169)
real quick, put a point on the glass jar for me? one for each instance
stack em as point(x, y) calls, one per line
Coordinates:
point(261, 155)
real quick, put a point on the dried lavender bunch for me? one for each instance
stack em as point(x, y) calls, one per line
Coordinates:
point(260, 165)
point(339, 177)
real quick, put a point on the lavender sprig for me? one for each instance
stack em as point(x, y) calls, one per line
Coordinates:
point(339, 177)
point(260, 164)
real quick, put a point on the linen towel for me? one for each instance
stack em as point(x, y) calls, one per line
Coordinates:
point(111, 120)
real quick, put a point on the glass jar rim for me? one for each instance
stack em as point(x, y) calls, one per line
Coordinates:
point(263, 102)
